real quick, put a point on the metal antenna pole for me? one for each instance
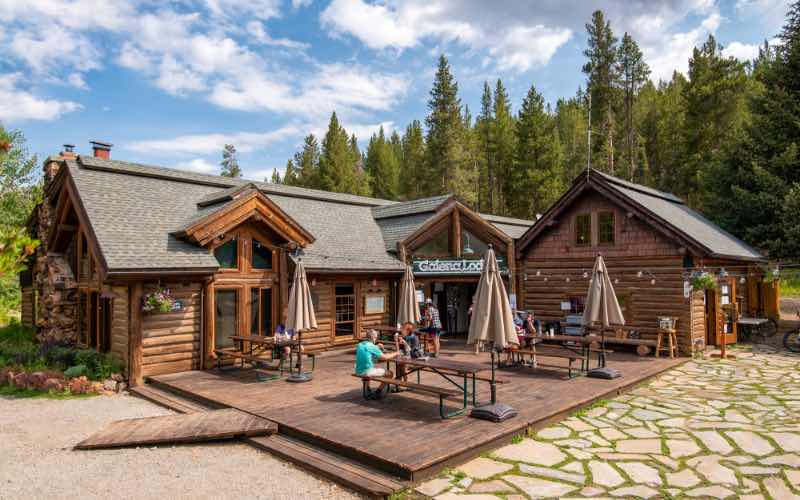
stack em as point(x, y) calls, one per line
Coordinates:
point(589, 137)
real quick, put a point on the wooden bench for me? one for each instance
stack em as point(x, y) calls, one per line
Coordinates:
point(441, 392)
point(222, 353)
point(643, 346)
point(552, 352)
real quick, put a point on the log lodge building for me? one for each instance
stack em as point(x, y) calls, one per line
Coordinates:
point(113, 231)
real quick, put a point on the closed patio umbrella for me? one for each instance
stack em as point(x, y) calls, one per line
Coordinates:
point(300, 315)
point(493, 322)
point(601, 307)
point(408, 309)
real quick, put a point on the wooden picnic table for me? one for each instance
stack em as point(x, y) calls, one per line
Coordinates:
point(448, 369)
point(258, 345)
point(386, 334)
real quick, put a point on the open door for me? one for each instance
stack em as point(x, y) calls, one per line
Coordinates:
point(727, 312)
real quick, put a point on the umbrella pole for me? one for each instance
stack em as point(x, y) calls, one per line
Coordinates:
point(493, 384)
point(299, 376)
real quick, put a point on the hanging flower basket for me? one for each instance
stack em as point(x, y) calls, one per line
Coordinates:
point(703, 281)
point(160, 300)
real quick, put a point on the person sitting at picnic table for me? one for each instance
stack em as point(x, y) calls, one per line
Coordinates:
point(283, 343)
point(367, 353)
point(407, 343)
point(433, 325)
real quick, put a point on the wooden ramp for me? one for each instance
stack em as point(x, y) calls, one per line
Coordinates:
point(187, 428)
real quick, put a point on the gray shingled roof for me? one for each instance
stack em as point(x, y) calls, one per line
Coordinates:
point(674, 211)
point(406, 208)
point(396, 229)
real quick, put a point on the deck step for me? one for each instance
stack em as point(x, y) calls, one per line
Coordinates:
point(352, 474)
point(168, 399)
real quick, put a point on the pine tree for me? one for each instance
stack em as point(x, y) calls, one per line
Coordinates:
point(444, 149)
point(383, 166)
point(601, 70)
point(339, 164)
point(633, 73)
point(276, 176)
point(289, 175)
point(715, 115)
point(306, 164)
point(571, 122)
point(413, 161)
point(229, 163)
point(483, 126)
point(537, 176)
point(503, 147)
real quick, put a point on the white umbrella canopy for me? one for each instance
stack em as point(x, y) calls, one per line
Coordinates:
point(408, 309)
point(301, 309)
point(602, 306)
point(492, 320)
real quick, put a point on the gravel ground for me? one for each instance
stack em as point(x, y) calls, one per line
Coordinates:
point(37, 460)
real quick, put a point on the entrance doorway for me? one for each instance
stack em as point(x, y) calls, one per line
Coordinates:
point(722, 313)
point(453, 300)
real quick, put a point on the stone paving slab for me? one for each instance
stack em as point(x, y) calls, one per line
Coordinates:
point(706, 429)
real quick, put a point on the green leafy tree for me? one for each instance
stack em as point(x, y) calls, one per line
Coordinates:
point(289, 175)
point(601, 70)
point(633, 73)
point(383, 166)
point(276, 176)
point(444, 147)
point(340, 167)
point(483, 132)
point(20, 192)
point(230, 162)
point(572, 122)
point(537, 175)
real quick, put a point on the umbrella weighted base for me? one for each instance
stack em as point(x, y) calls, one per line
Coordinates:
point(299, 377)
point(604, 373)
point(497, 412)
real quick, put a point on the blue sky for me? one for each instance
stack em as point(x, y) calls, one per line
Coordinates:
point(170, 83)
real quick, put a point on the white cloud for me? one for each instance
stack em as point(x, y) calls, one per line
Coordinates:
point(199, 144)
point(377, 26)
point(771, 14)
point(18, 105)
point(200, 165)
point(77, 81)
point(297, 4)
point(527, 47)
point(260, 9)
point(674, 54)
point(256, 29)
point(55, 47)
point(741, 51)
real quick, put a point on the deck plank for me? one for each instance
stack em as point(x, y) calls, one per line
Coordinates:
point(186, 428)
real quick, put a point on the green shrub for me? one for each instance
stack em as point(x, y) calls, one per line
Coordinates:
point(76, 371)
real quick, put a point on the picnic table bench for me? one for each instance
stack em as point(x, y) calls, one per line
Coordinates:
point(441, 392)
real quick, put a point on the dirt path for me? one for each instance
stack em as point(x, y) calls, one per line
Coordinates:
point(37, 435)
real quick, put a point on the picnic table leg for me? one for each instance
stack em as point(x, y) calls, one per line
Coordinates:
point(474, 402)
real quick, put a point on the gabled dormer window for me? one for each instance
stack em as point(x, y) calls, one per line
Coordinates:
point(227, 254)
point(262, 256)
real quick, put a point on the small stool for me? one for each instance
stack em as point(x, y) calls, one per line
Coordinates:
point(672, 339)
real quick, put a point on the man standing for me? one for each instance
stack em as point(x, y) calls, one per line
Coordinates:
point(434, 325)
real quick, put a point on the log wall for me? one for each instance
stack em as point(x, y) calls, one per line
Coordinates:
point(119, 324)
point(637, 247)
point(171, 341)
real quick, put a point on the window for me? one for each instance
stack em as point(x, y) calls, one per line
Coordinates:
point(262, 256)
point(224, 318)
point(260, 311)
point(471, 245)
point(227, 254)
point(605, 228)
point(345, 310)
point(583, 230)
point(576, 305)
point(438, 245)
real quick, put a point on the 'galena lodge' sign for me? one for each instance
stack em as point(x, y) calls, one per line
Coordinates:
point(422, 267)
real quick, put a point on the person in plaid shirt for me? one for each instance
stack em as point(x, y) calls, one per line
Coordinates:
point(434, 324)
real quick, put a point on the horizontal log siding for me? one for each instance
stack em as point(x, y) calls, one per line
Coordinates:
point(171, 341)
point(369, 320)
point(637, 248)
point(322, 291)
point(28, 314)
point(119, 325)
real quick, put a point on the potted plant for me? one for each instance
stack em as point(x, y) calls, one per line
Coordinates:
point(703, 281)
point(159, 300)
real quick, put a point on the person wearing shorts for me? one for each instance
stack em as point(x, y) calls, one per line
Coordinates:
point(367, 353)
point(434, 325)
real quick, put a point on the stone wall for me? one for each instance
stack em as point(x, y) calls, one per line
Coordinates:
point(53, 278)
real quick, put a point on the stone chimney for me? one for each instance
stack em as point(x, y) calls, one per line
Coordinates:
point(101, 149)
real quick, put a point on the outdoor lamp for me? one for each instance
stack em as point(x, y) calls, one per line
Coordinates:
point(467, 249)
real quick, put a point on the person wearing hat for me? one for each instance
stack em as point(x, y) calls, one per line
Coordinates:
point(433, 325)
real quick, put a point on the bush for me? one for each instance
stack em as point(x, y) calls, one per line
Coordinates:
point(76, 371)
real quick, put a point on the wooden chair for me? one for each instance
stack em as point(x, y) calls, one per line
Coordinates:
point(671, 345)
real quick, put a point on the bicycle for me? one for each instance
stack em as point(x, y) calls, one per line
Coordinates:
point(791, 339)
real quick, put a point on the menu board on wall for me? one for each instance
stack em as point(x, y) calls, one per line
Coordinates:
point(375, 304)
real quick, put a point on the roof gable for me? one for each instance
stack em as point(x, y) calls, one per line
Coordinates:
point(665, 212)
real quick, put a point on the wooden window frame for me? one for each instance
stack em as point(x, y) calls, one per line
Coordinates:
point(600, 241)
point(575, 240)
point(272, 324)
point(228, 238)
point(253, 239)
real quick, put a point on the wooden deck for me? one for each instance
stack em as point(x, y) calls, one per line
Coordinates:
point(403, 434)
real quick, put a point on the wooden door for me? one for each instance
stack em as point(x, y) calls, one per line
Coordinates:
point(226, 317)
point(727, 312)
point(345, 314)
point(261, 311)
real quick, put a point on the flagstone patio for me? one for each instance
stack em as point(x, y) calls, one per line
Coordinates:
point(706, 429)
